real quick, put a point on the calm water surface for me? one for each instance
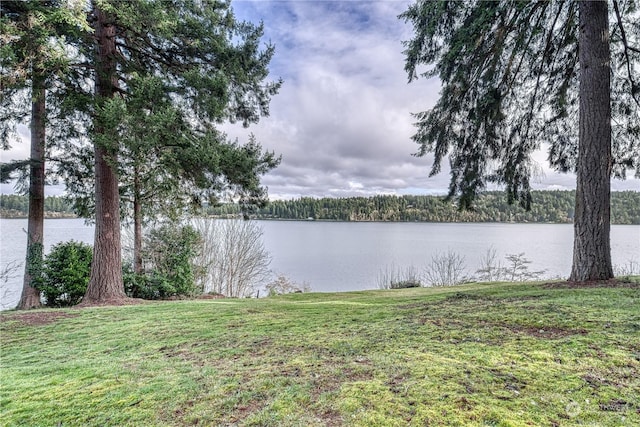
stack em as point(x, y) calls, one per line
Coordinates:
point(345, 256)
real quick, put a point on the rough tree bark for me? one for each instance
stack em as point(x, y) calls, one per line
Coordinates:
point(105, 283)
point(591, 248)
point(30, 297)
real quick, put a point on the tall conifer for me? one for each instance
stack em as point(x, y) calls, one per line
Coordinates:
point(514, 81)
point(207, 68)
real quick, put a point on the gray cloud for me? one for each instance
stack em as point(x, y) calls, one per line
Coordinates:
point(342, 121)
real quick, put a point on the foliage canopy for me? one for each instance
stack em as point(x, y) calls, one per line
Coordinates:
point(509, 73)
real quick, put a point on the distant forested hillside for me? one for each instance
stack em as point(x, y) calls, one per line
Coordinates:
point(15, 206)
point(548, 206)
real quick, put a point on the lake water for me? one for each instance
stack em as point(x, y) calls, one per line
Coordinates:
point(345, 256)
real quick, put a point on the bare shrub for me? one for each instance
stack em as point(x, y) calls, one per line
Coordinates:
point(8, 271)
point(517, 269)
point(491, 270)
point(233, 261)
point(446, 269)
point(393, 277)
point(631, 268)
point(283, 285)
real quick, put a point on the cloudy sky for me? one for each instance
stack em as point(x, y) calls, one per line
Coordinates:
point(342, 120)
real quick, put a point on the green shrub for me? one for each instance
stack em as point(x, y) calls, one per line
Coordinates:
point(171, 250)
point(66, 273)
point(168, 259)
point(147, 285)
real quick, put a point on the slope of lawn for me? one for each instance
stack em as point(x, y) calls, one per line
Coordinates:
point(480, 354)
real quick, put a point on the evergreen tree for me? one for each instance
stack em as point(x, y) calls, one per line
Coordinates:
point(209, 68)
point(31, 62)
point(165, 174)
point(513, 78)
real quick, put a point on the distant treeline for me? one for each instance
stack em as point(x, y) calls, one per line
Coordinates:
point(548, 206)
point(15, 206)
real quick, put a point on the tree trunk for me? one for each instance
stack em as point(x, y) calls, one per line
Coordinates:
point(30, 297)
point(105, 283)
point(137, 223)
point(591, 248)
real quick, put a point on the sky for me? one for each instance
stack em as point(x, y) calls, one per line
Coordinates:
point(342, 120)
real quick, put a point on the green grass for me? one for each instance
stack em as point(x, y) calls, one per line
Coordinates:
point(479, 355)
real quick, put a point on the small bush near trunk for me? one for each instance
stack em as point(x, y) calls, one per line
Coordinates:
point(66, 273)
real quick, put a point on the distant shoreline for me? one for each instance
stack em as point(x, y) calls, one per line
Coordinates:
point(63, 215)
point(47, 215)
point(387, 221)
point(548, 207)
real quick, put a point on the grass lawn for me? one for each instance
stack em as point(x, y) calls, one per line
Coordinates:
point(479, 355)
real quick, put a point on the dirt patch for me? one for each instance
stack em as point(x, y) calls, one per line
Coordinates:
point(396, 384)
point(197, 297)
point(548, 332)
point(616, 405)
point(611, 283)
point(511, 382)
point(596, 381)
point(135, 301)
point(544, 332)
point(37, 318)
point(244, 410)
point(330, 376)
point(111, 302)
point(183, 354)
point(468, 297)
point(330, 418)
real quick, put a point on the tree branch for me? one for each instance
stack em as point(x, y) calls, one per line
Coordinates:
point(539, 71)
point(634, 86)
point(144, 54)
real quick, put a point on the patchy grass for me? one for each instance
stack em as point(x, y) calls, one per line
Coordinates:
point(485, 355)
